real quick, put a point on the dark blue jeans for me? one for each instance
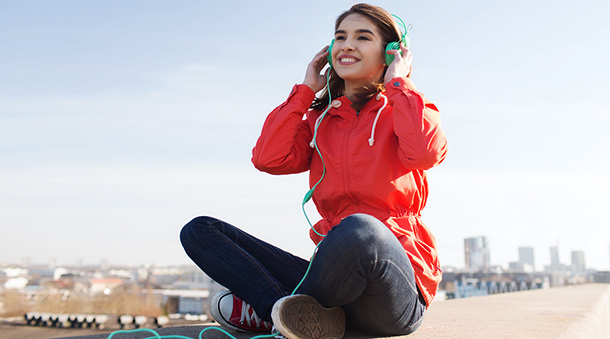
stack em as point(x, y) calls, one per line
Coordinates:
point(360, 266)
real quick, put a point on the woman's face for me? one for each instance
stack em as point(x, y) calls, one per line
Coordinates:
point(358, 51)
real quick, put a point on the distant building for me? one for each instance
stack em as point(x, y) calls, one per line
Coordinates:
point(104, 286)
point(59, 271)
point(26, 262)
point(16, 283)
point(578, 262)
point(555, 264)
point(602, 277)
point(515, 266)
point(526, 259)
point(558, 271)
point(104, 266)
point(13, 272)
point(186, 301)
point(476, 254)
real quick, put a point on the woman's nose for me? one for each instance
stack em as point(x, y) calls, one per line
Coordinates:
point(347, 45)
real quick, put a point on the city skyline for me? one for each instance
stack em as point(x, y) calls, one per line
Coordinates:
point(122, 121)
point(477, 254)
point(476, 258)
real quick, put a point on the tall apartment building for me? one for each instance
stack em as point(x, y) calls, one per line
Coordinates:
point(578, 262)
point(476, 254)
point(555, 264)
point(526, 259)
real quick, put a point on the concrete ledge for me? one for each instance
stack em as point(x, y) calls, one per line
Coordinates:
point(581, 311)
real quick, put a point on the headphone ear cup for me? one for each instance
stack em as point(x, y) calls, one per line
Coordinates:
point(329, 57)
point(392, 46)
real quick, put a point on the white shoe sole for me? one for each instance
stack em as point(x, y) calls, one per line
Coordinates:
point(302, 317)
point(215, 311)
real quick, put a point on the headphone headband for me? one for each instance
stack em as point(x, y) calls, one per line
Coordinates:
point(405, 32)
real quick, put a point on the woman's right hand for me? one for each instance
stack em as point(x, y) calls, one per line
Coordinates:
point(313, 78)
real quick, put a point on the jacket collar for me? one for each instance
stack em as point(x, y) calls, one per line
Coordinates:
point(341, 106)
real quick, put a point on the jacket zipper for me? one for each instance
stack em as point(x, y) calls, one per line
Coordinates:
point(346, 169)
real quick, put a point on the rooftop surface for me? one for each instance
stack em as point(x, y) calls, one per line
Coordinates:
point(581, 311)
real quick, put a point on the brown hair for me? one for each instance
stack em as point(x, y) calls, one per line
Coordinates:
point(389, 32)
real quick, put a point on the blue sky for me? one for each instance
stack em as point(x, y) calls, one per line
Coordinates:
point(121, 121)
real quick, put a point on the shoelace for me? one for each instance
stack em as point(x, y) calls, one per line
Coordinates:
point(248, 315)
point(278, 335)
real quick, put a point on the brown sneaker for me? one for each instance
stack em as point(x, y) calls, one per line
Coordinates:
point(302, 317)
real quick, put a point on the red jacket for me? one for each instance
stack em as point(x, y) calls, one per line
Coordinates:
point(376, 163)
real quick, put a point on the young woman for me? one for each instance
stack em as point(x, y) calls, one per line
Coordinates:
point(376, 268)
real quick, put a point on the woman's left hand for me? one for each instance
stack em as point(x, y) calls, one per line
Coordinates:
point(401, 66)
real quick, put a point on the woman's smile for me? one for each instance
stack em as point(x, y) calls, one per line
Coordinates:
point(346, 60)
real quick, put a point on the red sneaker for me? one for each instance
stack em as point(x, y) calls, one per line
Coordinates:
point(233, 313)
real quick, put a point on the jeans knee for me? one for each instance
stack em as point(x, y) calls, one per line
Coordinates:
point(192, 228)
point(365, 229)
point(361, 236)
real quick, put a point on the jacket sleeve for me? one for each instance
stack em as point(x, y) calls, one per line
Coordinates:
point(422, 143)
point(283, 146)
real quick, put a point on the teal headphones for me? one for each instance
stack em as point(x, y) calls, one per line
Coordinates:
point(392, 46)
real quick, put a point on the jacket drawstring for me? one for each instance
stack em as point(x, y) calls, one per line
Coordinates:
point(385, 103)
point(313, 140)
point(372, 139)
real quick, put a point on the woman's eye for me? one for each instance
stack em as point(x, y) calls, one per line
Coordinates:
point(340, 38)
point(363, 38)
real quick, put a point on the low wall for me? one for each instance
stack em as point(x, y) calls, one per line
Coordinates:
point(581, 311)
